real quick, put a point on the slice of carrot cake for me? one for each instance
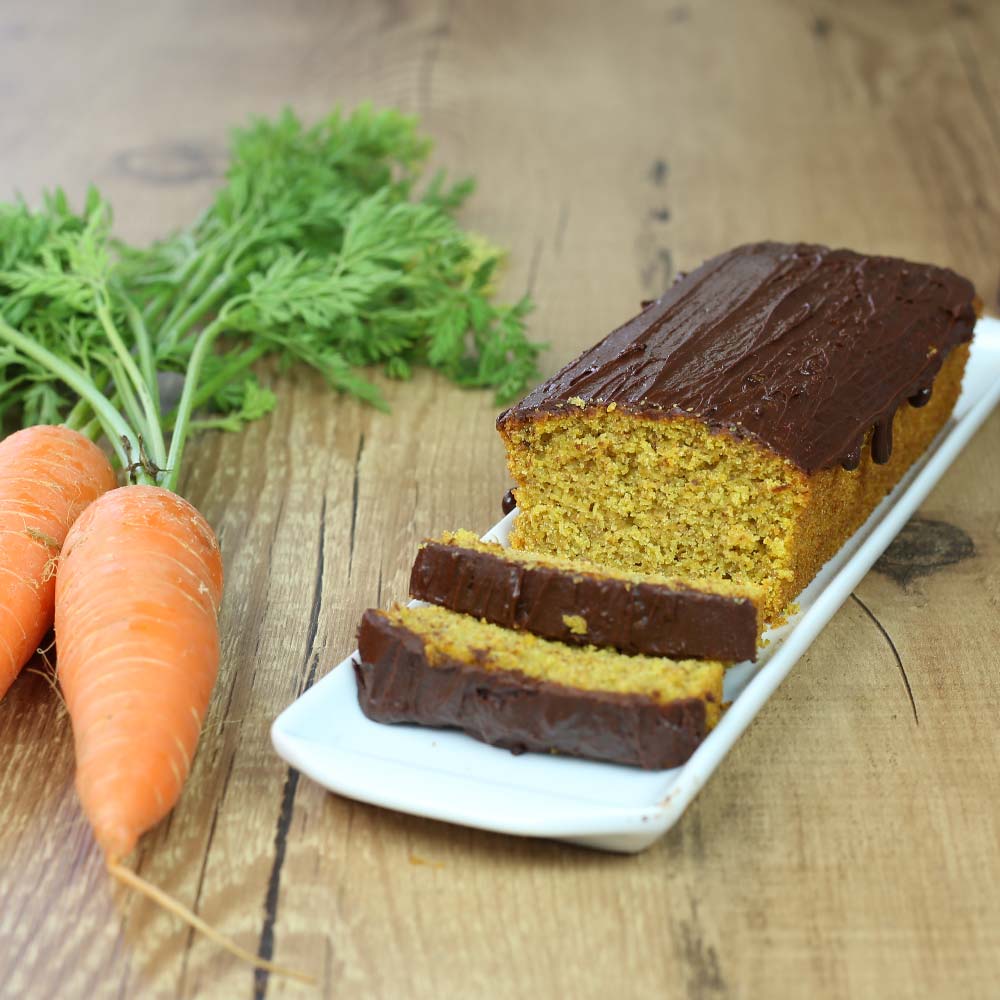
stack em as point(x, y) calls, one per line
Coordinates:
point(579, 603)
point(436, 667)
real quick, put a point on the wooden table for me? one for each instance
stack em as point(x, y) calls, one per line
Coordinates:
point(850, 845)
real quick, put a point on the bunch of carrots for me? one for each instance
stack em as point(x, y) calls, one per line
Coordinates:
point(314, 252)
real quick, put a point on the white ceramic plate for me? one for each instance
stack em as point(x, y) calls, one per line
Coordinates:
point(446, 775)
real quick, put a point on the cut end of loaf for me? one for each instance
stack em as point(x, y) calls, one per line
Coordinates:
point(655, 496)
point(668, 495)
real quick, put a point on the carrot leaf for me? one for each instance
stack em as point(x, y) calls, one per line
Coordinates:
point(321, 238)
point(318, 250)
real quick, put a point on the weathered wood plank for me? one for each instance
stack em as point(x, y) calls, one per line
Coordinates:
point(849, 845)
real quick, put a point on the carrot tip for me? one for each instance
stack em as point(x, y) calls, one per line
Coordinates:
point(171, 905)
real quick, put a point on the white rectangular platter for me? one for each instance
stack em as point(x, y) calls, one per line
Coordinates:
point(446, 775)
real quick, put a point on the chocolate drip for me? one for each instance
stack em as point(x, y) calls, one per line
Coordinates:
point(921, 398)
point(853, 458)
point(509, 502)
point(882, 440)
point(800, 348)
point(396, 683)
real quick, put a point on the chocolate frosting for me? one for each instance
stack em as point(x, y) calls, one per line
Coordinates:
point(801, 348)
point(644, 617)
point(396, 683)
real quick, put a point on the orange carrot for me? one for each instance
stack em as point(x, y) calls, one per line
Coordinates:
point(137, 599)
point(139, 577)
point(137, 603)
point(48, 475)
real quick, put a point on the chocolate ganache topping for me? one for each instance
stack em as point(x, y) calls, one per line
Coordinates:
point(801, 348)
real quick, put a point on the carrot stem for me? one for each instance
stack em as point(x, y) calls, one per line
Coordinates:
point(125, 393)
point(145, 347)
point(233, 367)
point(182, 315)
point(171, 905)
point(186, 404)
point(152, 432)
point(91, 430)
point(154, 305)
point(118, 431)
point(208, 299)
point(76, 417)
point(82, 411)
point(178, 278)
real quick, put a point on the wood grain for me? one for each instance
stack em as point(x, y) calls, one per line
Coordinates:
point(850, 845)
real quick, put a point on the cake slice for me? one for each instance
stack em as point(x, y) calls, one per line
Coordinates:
point(582, 604)
point(512, 689)
point(746, 423)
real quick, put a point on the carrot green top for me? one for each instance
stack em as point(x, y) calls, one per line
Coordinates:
point(316, 250)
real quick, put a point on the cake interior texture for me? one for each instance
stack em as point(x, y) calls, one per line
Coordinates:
point(725, 588)
point(449, 637)
point(669, 495)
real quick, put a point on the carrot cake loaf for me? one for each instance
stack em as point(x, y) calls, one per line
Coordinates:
point(436, 667)
point(582, 604)
point(744, 424)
